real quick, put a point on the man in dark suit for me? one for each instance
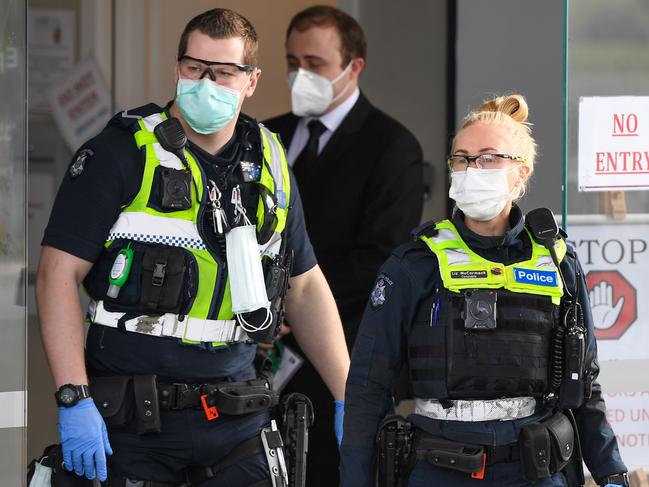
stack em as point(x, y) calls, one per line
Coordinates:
point(360, 177)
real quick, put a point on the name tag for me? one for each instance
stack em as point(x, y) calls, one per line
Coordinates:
point(540, 278)
point(468, 274)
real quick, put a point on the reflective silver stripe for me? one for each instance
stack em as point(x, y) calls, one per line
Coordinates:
point(454, 256)
point(142, 227)
point(457, 256)
point(444, 235)
point(504, 409)
point(275, 159)
point(169, 325)
point(13, 413)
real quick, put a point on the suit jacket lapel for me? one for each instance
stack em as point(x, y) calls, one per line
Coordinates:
point(351, 124)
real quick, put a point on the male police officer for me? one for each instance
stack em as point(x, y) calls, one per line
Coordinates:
point(159, 234)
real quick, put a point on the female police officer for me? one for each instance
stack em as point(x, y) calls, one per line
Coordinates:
point(490, 312)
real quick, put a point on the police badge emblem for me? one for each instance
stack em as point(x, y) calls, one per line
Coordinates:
point(79, 164)
point(381, 291)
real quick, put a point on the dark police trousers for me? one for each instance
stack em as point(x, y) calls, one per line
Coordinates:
point(498, 475)
point(188, 438)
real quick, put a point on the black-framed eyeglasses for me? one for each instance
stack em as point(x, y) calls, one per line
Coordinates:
point(482, 161)
point(196, 69)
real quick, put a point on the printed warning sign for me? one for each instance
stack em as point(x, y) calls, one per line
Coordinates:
point(628, 414)
point(614, 143)
point(615, 260)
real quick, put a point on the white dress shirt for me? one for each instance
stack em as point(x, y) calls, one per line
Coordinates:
point(330, 120)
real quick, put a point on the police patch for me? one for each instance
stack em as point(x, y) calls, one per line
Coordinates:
point(381, 292)
point(79, 164)
point(540, 278)
point(251, 171)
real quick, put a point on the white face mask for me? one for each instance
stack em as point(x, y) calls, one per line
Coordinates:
point(247, 284)
point(42, 476)
point(481, 193)
point(312, 94)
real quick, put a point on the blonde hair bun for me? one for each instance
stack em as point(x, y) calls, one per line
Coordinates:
point(514, 106)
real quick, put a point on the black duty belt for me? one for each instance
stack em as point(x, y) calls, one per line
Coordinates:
point(464, 457)
point(502, 454)
point(223, 397)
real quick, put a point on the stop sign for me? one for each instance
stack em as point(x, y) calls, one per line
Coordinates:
point(619, 319)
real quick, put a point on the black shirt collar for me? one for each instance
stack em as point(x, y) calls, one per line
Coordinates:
point(226, 156)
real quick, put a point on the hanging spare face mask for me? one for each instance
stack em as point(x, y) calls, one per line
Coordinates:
point(247, 285)
point(311, 94)
point(42, 476)
point(481, 194)
point(206, 105)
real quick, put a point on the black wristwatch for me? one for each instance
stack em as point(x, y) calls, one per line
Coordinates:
point(70, 394)
point(617, 479)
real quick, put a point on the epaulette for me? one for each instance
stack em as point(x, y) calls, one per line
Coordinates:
point(402, 250)
point(127, 118)
point(427, 229)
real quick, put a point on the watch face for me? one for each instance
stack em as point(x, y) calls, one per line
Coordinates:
point(67, 395)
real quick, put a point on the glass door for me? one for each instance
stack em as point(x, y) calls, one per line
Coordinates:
point(13, 114)
point(606, 197)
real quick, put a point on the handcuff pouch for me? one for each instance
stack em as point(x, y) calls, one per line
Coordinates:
point(147, 408)
point(534, 444)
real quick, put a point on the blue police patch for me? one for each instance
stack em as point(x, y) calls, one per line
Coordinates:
point(381, 292)
point(539, 278)
point(251, 171)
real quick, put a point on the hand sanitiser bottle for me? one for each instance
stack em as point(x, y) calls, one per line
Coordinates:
point(120, 271)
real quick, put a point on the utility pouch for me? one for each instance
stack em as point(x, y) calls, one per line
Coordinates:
point(113, 397)
point(562, 440)
point(534, 443)
point(574, 471)
point(163, 276)
point(147, 408)
point(244, 397)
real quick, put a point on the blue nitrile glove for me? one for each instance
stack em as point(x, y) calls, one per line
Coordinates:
point(84, 439)
point(338, 421)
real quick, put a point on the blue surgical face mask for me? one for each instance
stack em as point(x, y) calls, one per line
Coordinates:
point(205, 105)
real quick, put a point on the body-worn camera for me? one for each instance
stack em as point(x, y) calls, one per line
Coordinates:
point(480, 309)
point(176, 189)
